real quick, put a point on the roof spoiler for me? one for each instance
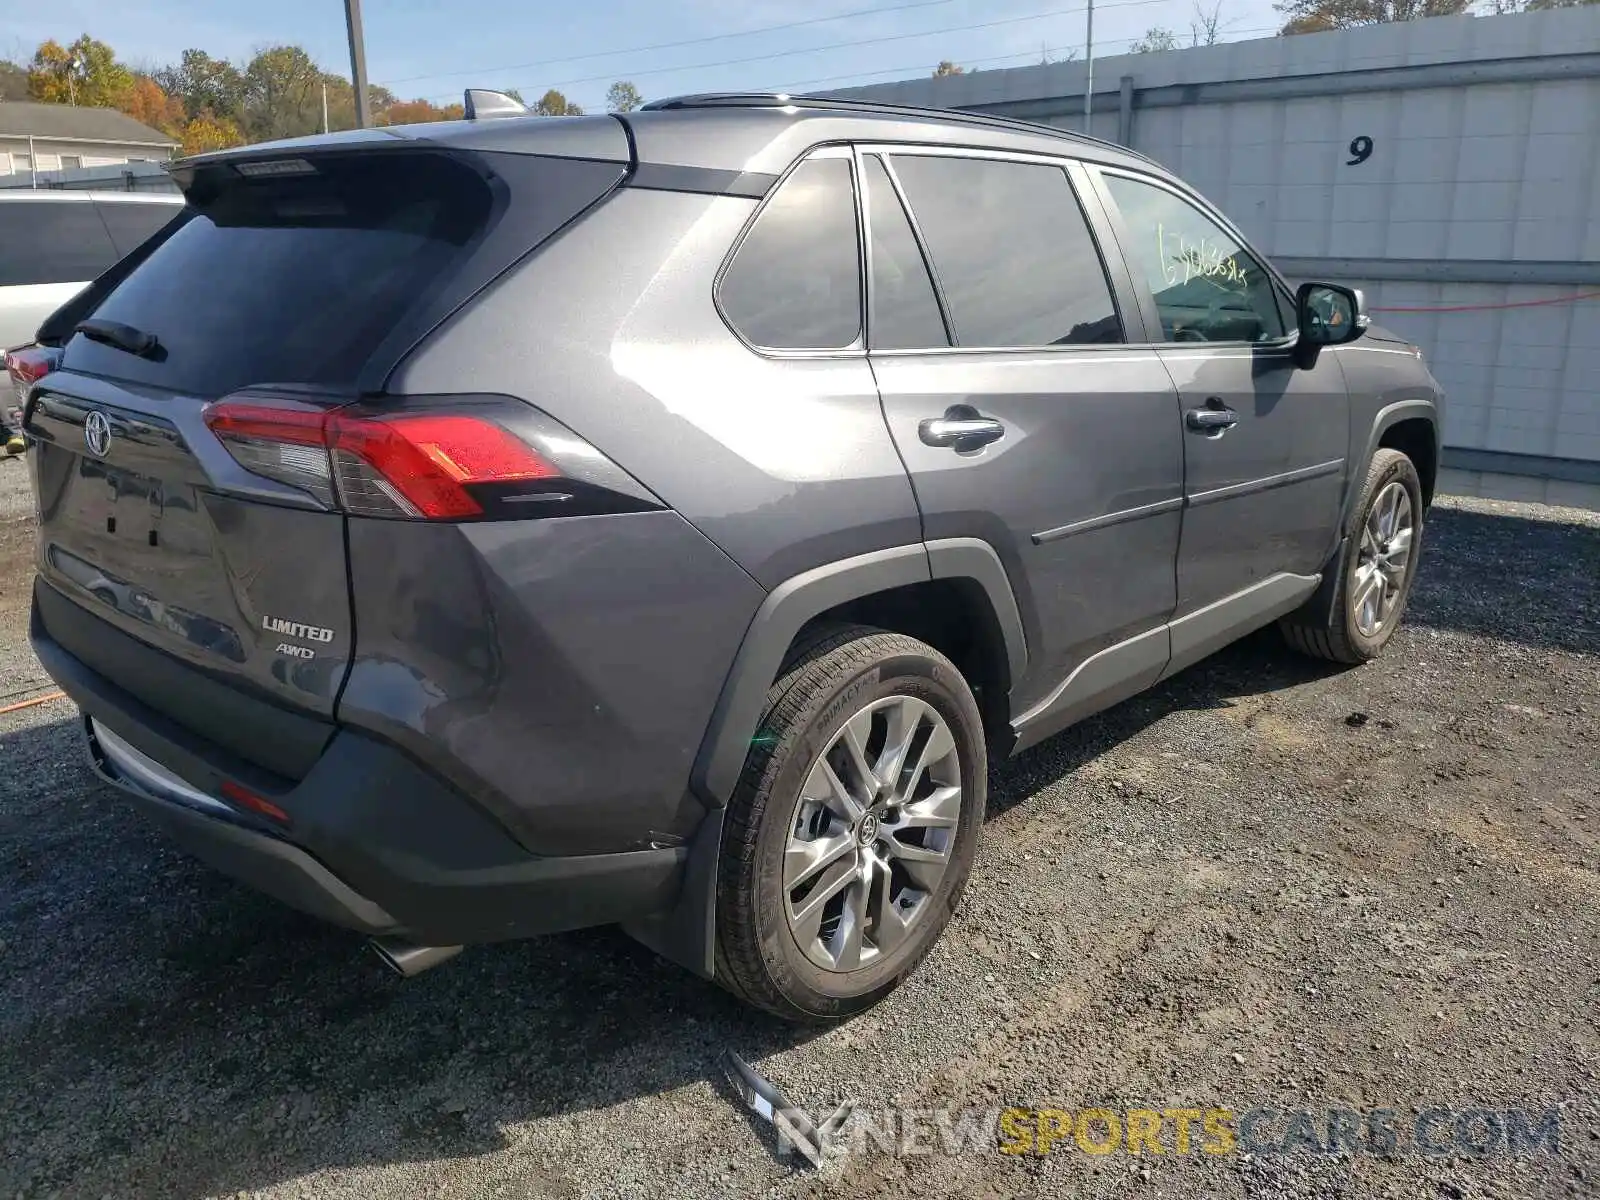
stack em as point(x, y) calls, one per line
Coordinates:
point(481, 104)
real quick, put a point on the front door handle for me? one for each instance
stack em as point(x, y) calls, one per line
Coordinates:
point(1213, 420)
point(961, 428)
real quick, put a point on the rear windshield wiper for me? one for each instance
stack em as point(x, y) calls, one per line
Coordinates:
point(123, 337)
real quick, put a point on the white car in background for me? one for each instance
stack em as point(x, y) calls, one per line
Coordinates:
point(55, 243)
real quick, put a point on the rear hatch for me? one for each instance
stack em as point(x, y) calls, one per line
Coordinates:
point(290, 288)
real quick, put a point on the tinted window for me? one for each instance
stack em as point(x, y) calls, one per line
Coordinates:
point(1013, 251)
point(294, 279)
point(905, 311)
point(132, 222)
point(1208, 287)
point(60, 241)
point(795, 282)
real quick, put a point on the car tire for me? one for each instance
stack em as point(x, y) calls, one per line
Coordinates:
point(808, 927)
point(1354, 620)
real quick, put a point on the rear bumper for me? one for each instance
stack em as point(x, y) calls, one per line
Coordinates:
point(373, 841)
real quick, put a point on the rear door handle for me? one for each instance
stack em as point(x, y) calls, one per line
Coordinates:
point(1215, 419)
point(961, 429)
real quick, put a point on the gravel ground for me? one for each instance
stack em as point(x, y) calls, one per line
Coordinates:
point(1232, 891)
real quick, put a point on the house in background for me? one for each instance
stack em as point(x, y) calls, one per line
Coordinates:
point(64, 137)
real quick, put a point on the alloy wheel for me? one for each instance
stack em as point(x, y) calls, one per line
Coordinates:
point(1380, 574)
point(872, 833)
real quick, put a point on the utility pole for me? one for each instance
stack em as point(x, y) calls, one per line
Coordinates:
point(358, 63)
point(324, 108)
point(1088, 88)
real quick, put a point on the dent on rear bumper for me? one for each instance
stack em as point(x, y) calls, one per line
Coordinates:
point(374, 841)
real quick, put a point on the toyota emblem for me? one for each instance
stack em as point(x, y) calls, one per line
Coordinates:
point(97, 433)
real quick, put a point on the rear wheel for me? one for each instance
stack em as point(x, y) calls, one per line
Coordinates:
point(850, 837)
point(1376, 570)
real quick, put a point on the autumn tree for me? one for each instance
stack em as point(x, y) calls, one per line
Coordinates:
point(1204, 30)
point(206, 132)
point(411, 112)
point(204, 85)
point(1156, 40)
point(622, 96)
point(282, 94)
point(946, 67)
point(1207, 26)
point(554, 104)
point(86, 72)
point(151, 106)
point(13, 81)
point(1315, 16)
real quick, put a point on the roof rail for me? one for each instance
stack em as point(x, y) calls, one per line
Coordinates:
point(850, 104)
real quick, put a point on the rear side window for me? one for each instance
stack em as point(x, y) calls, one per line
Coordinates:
point(131, 222)
point(1013, 251)
point(795, 281)
point(905, 311)
point(291, 279)
point(60, 241)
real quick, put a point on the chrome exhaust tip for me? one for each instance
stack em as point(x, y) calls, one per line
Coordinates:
point(406, 959)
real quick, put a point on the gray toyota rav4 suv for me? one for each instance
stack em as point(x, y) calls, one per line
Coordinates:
point(478, 530)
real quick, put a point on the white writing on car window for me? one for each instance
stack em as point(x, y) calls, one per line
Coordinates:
point(1183, 259)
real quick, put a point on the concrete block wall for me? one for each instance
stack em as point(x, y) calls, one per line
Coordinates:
point(1482, 188)
point(1520, 381)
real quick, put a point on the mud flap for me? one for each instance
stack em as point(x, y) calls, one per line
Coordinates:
point(686, 933)
point(1318, 611)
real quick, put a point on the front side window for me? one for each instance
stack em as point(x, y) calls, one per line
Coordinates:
point(1012, 251)
point(795, 281)
point(1208, 287)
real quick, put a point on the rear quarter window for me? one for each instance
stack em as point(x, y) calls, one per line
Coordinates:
point(52, 241)
point(794, 282)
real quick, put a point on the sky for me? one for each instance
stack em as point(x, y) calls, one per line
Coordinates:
point(435, 48)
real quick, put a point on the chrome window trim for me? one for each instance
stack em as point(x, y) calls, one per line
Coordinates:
point(916, 236)
point(857, 348)
point(1063, 162)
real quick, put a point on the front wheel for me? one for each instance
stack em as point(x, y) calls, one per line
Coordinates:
point(848, 841)
point(1376, 571)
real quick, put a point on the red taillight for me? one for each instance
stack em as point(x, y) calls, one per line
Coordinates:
point(410, 465)
point(244, 798)
point(299, 426)
point(27, 366)
point(429, 460)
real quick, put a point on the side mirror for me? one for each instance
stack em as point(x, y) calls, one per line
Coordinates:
point(1329, 315)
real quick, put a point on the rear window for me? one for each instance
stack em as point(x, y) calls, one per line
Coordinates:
point(52, 241)
point(291, 279)
point(130, 222)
